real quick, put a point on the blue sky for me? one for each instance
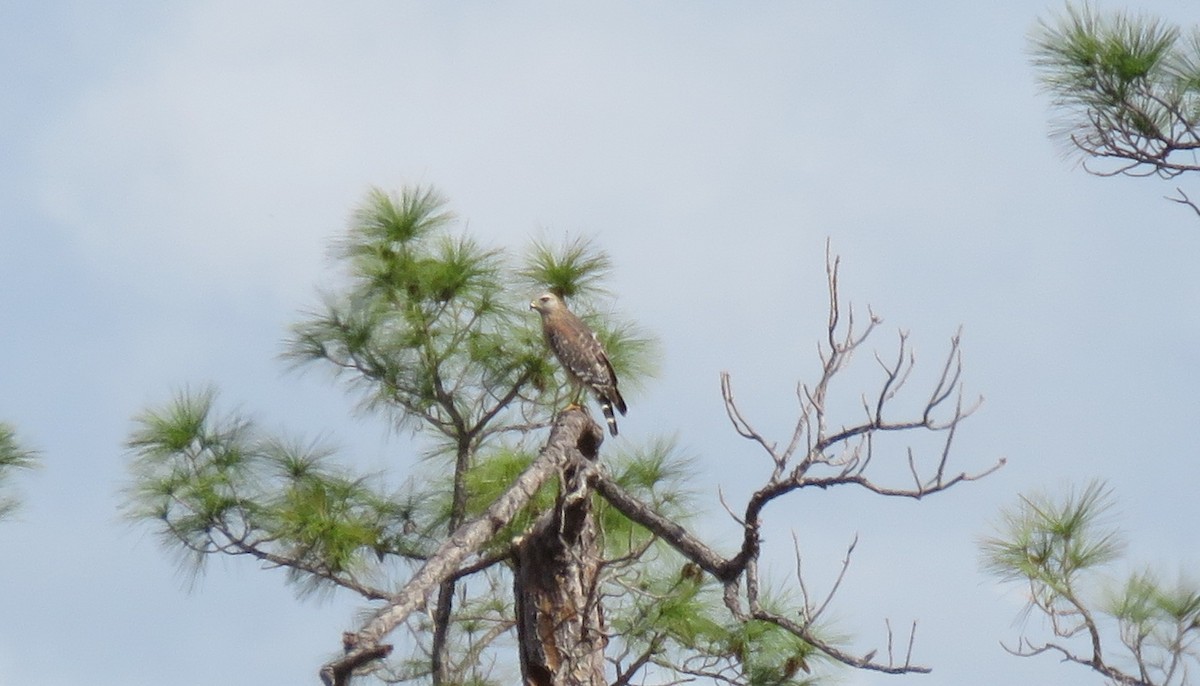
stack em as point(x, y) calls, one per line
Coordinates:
point(171, 176)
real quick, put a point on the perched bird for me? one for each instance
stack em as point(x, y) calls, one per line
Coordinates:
point(580, 353)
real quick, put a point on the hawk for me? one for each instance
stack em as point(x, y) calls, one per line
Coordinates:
point(581, 355)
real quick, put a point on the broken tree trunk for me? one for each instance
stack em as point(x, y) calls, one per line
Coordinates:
point(560, 623)
point(574, 440)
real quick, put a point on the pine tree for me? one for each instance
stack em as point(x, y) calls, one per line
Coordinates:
point(528, 524)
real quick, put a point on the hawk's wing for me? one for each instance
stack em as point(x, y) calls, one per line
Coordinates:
point(584, 359)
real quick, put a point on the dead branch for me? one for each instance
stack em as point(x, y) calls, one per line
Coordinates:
point(810, 615)
point(848, 451)
point(1027, 649)
point(1183, 199)
point(866, 661)
point(665, 528)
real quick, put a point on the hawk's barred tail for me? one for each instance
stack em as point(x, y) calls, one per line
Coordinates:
point(618, 400)
point(606, 408)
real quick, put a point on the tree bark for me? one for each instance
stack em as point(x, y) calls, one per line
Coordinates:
point(560, 623)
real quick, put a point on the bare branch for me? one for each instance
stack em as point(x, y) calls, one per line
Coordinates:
point(1026, 649)
point(664, 527)
point(897, 374)
point(624, 677)
point(732, 514)
point(865, 662)
point(486, 562)
point(811, 617)
point(1183, 199)
point(740, 425)
point(912, 637)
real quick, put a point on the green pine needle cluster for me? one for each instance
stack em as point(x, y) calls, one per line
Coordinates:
point(1129, 84)
point(572, 269)
point(1102, 56)
point(435, 328)
point(657, 473)
point(1053, 542)
point(221, 485)
point(771, 656)
point(1062, 548)
point(12, 458)
point(490, 477)
point(676, 614)
point(426, 327)
point(1145, 599)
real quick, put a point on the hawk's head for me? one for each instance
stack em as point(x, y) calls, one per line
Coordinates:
point(546, 303)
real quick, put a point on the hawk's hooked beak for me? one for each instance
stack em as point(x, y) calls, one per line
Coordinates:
point(533, 304)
